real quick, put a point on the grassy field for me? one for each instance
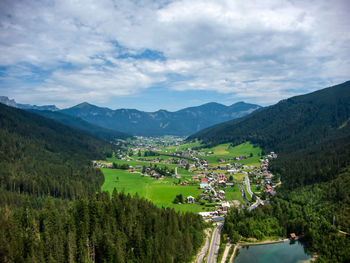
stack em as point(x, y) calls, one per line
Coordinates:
point(226, 151)
point(253, 188)
point(244, 149)
point(183, 172)
point(249, 198)
point(220, 149)
point(233, 193)
point(160, 192)
point(238, 177)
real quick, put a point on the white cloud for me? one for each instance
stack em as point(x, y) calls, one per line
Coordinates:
point(250, 49)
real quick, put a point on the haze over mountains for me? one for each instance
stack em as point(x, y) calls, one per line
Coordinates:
point(181, 123)
point(52, 112)
point(131, 121)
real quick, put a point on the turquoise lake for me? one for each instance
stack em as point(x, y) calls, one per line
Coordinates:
point(286, 252)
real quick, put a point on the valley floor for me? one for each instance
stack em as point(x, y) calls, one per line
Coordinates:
point(215, 178)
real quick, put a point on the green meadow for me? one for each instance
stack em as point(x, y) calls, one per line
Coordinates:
point(253, 188)
point(226, 151)
point(233, 193)
point(161, 192)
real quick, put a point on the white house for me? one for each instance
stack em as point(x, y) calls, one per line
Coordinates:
point(190, 199)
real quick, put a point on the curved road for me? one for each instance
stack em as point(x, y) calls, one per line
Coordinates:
point(201, 254)
point(215, 243)
point(256, 204)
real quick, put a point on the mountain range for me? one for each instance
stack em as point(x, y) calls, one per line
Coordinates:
point(181, 123)
point(52, 112)
point(131, 121)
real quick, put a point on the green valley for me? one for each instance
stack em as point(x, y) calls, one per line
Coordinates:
point(79, 194)
point(174, 131)
point(181, 169)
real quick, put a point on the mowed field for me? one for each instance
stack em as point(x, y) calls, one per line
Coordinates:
point(161, 192)
point(225, 151)
point(233, 193)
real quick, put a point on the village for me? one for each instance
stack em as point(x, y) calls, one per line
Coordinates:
point(224, 180)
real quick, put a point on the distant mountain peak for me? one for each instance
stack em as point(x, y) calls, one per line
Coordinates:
point(12, 103)
point(5, 100)
point(238, 103)
point(83, 105)
point(211, 103)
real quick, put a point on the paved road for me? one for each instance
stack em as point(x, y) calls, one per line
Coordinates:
point(255, 205)
point(227, 249)
point(201, 254)
point(214, 244)
point(247, 183)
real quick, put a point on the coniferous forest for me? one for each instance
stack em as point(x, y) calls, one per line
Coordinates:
point(51, 209)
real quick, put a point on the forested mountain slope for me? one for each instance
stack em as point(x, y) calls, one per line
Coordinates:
point(309, 132)
point(79, 124)
point(50, 210)
point(42, 157)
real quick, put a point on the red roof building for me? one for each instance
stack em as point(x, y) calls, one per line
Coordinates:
point(204, 180)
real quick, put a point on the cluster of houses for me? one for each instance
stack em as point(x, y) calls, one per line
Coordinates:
point(218, 214)
point(98, 164)
point(154, 143)
point(209, 178)
point(180, 161)
point(264, 176)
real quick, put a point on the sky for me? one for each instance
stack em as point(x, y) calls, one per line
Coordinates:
point(165, 54)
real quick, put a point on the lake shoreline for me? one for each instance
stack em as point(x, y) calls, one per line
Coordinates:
point(239, 245)
point(243, 244)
